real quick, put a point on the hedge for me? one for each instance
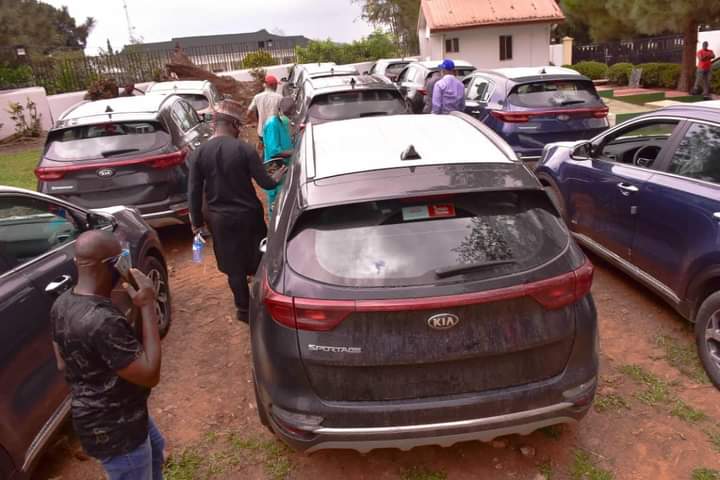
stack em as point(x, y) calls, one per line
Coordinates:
point(592, 70)
point(619, 73)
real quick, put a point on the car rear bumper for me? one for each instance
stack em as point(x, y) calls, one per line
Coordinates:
point(177, 214)
point(445, 434)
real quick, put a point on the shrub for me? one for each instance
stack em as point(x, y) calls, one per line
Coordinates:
point(14, 77)
point(660, 75)
point(619, 73)
point(102, 88)
point(376, 45)
point(258, 59)
point(25, 127)
point(715, 82)
point(592, 70)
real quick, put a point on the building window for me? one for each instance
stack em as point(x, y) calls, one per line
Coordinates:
point(506, 47)
point(261, 44)
point(452, 45)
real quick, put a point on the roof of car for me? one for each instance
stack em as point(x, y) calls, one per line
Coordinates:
point(344, 83)
point(141, 104)
point(707, 110)
point(317, 67)
point(435, 63)
point(395, 60)
point(336, 70)
point(377, 143)
point(181, 86)
point(523, 74)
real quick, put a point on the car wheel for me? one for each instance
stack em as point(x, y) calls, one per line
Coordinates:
point(154, 269)
point(707, 336)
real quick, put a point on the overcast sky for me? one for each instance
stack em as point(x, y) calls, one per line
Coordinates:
point(161, 20)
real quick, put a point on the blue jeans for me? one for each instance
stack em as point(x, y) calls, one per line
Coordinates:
point(143, 463)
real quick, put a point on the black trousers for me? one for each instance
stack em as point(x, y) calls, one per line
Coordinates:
point(236, 241)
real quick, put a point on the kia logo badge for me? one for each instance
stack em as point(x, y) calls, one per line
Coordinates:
point(443, 321)
point(563, 117)
point(105, 172)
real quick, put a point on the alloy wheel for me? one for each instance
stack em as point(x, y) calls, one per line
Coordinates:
point(161, 295)
point(712, 338)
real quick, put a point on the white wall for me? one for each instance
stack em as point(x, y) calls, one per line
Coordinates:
point(712, 37)
point(556, 54)
point(21, 96)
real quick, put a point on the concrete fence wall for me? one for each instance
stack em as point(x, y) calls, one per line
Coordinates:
point(52, 106)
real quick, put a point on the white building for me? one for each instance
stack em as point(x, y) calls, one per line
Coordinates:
point(488, 33)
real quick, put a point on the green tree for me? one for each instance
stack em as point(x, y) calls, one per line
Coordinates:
point(376, 45)
point(258, 59)
point(399, 16)
point(41, 27)
point(622, 19)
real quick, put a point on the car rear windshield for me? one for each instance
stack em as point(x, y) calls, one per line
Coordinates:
point(394, 69)
point(354, 104)
point(105, 140)
point(198, 102)
point(426, 241)
point(460, 72)
point(556, 93)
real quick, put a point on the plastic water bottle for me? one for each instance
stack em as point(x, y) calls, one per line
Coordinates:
point(197, 248)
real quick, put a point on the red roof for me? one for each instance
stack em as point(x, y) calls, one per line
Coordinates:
point(454, 14)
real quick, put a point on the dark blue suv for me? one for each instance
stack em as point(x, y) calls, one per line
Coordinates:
point(645, 195)
point(530, 107)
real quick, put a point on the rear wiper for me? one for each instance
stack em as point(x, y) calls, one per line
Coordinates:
point(110, 153)
point(372, 114)
point(571, 102)
point(454, 270)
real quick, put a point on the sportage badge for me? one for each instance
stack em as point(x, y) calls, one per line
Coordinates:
point(443, 321)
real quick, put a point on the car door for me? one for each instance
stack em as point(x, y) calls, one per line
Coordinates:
point(37, 240)
point(402, 81)
point(478, 90)
point(605, 191)
point(678, 220)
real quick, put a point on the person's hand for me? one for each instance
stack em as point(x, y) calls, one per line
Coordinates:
point(145, 294)
point(277, 176)
point(196, 230)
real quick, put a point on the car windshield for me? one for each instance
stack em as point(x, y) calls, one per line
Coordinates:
point(104, 140)
point(424, 241)
point(355, 104)
point(557, 93)
point(198, 102)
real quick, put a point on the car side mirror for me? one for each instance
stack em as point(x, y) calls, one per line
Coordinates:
point(263, 245)
point(582, 151)
point(207, 117)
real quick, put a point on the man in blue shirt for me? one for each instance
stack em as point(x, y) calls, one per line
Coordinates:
point(278, 142)
point(449, 92)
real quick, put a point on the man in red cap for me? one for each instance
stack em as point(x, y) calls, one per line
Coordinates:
point(265, 104)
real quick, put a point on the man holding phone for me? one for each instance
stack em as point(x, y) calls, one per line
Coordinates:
point(109, 369)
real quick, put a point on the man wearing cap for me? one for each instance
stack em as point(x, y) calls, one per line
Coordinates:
point(224, 167)
point(265, 104)
point(449, 92)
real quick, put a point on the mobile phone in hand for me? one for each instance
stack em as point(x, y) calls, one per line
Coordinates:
point(123, 266)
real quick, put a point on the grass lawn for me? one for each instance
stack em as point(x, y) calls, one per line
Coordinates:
point(16, 168)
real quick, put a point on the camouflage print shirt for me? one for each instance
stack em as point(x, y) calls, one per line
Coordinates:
point(109, 414)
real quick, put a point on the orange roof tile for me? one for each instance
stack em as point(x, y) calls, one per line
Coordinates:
point(453, 14)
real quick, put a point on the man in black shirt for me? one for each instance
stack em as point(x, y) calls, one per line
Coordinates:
point(109, 370)
point(223, 167)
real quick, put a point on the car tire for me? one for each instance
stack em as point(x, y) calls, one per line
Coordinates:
point(708, 318)
point(154, 268)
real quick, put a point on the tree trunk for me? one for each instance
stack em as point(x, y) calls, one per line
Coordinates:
point(687, 71)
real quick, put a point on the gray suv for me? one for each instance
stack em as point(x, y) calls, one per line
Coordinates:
point(124, 151)
point(37, 247)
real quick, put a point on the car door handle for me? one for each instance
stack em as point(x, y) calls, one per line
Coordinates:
point(627, 189)
point(59, 284)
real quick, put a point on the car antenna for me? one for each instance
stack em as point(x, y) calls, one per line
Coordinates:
point(543, 72)
point(109, 111)
point(410, 154)
point(352, 83)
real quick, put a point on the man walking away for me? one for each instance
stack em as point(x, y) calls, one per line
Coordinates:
point(224, 167)
point(265, 103)
point(704, 70)
point(109, 370)
point(278, 142)
point(449, 92)
point(429, 87)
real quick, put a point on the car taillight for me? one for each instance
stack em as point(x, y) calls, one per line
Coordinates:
point(324, 315)
point(601, 113)
point(165, 160)
point(422, 91)
point(305, 313)
point(510, 117)
point(563, 290)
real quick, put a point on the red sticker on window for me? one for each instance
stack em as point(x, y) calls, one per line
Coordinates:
point(442, 210)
